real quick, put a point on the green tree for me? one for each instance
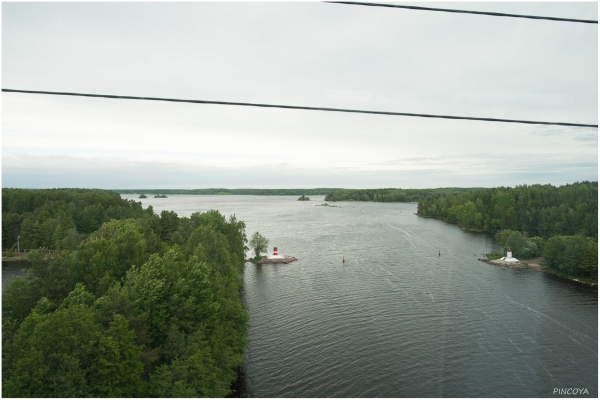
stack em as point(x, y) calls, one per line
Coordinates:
point(18, 298)
point(589, 262)
point(51, 355)
point(145, 306)
point(258, 243)
point(117, 369)
point(572, 256)
point(517, 243)
point(97, 265)
point(50, 275)
point(168, 223)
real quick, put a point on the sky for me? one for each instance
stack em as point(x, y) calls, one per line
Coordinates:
point(302, 54)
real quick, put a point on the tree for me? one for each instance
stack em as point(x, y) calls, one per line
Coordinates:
point(517, 243)
point(145, 305)
point(117, 370)
point(259, 244)
point(18, 298)
point(572, 256)
point(168, 224)
point(51, 354)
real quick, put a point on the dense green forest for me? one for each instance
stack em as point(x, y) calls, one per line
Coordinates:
point(392, 195)
point(560, 223)
point(138, 305)
point(255, 192)
point(59, 218)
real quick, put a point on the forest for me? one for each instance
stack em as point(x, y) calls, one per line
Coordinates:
point(119, 301)
point(215, 191)
point(560, 223)
point(59, 218)
point(393, 195)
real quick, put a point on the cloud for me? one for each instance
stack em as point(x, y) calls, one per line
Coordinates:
point(547, 131)
point(313, 54)
point(47, 171)
point(512, 99)
point(587, 137)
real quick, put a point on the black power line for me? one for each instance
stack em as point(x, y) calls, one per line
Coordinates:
point(495, 14)
point(227, 103)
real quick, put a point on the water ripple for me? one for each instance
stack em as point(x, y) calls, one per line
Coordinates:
point(396, 319)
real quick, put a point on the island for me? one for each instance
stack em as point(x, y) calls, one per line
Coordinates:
point(269, 260)
point(142, 196)
point(160, 196)
point(246, 192)
point(303, 198)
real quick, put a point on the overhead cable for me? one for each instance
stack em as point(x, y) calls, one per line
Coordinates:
point(227, 103)
point(494, 14)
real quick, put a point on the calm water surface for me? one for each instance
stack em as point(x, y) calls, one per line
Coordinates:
point(396, 319)
point(12, 269)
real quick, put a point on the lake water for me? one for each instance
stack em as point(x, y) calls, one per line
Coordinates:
point(12, 269)
point(397, 319)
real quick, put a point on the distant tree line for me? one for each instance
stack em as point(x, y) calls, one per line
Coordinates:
point(143, 306)
point(216, 191)
point(393, 195)
point(59, 218)
point(560, 223)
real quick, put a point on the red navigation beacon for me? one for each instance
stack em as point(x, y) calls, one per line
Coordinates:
point(275, 253)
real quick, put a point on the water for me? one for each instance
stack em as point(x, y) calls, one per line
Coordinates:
point(396, 319)
point(12, 269)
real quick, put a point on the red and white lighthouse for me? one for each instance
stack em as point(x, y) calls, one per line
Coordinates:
point(275, 255)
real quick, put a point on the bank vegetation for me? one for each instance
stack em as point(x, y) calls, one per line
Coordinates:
point(393, 195)
point(127, 303)
point(560, 223)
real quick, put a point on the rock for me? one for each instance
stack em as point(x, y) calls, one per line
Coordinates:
point(284, 260)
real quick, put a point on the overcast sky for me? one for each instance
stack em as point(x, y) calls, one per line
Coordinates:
point(306, 54)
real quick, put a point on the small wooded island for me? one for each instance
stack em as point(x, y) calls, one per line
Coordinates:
point(258, 243)
point(142, 196)
point(303, 198)
point(160, 196)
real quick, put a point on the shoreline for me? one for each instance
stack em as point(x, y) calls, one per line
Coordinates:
point(453, 223)
point(533, 264)
point(265, 260)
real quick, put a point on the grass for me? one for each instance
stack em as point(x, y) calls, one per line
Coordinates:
point(494, 256)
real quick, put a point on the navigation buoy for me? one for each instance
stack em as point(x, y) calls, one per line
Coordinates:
point(343, 260)
point(439, 253)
